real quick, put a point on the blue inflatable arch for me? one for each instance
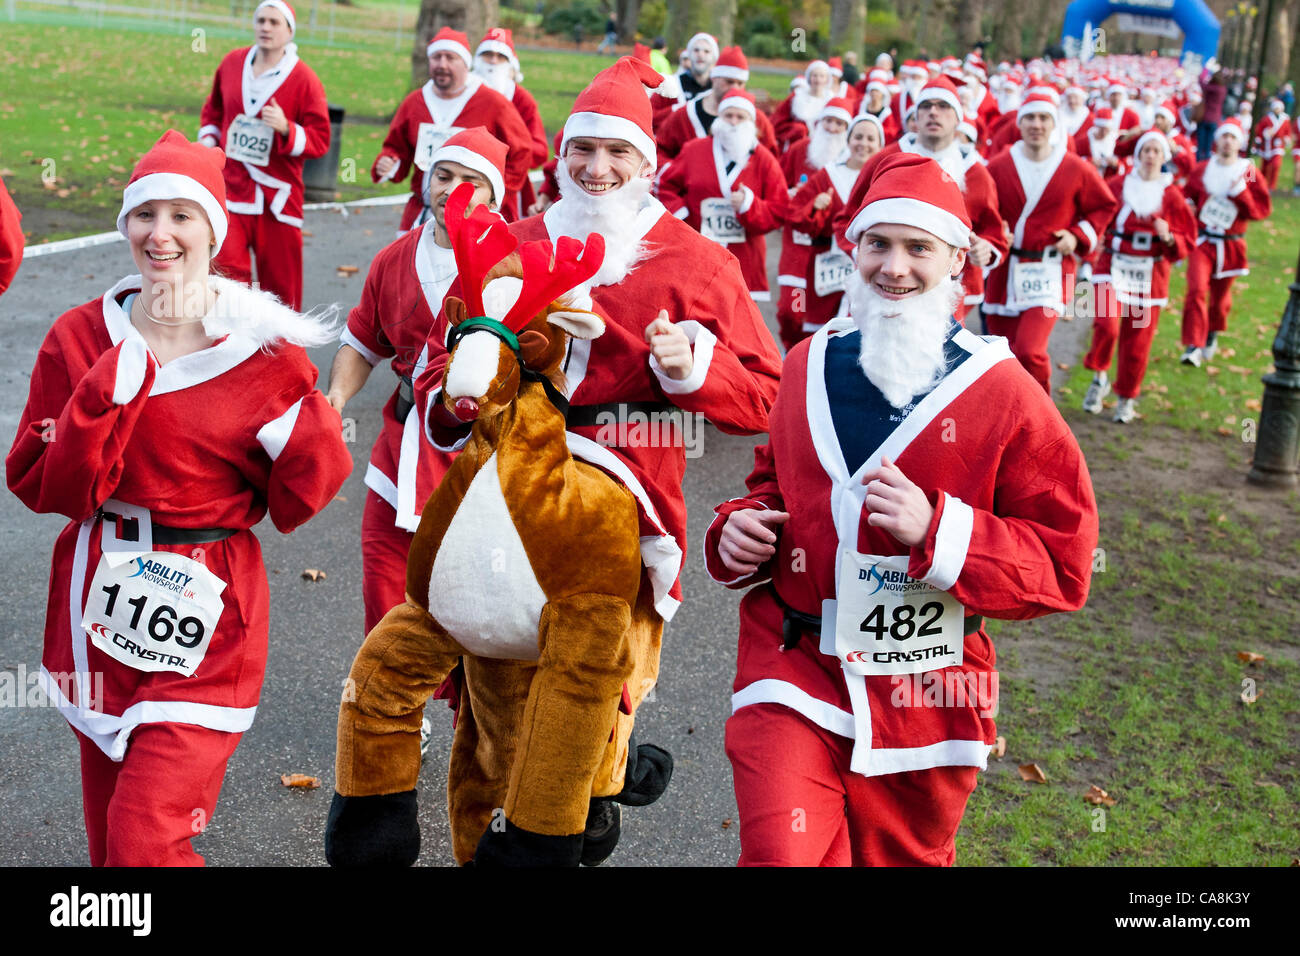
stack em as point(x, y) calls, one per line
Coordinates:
point(1200, 27)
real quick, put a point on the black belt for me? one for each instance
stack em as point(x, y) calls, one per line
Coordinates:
point(1206, 234)
point(797, 623)
point(405, 397)
point(127, 530)
point(1132, 236)
point(588, 416)
point(1033, 255)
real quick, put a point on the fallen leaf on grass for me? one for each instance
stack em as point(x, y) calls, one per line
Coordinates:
point(1032, 773)
point(1261, 782)
point(311, 574)
point(1098, 797)
point(1211, 370)
point(1253, 405)
point(999, 748)
point(1250, 657)
point(1225, 431)
point(300, 780)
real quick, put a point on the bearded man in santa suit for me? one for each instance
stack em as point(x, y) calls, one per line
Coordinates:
point(912, 75)
point(1152, 230)
point(452, 100)
point(730, 188)
point(793, 119)
point(889, 514)
point(1128, 123)
point(1227, 192)
point(267, 110)
point(682, 337)
point(690, 81)
point(1182, 150)
point(938, 116)
point(1076, 118)
point(1273, 137)
point(695, 119)
point(1056, 206)
point(399, 304)
point(496, 64)
point(876, 102)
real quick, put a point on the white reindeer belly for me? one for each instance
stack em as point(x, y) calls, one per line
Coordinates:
point(482, 589)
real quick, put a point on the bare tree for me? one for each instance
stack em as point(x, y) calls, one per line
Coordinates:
point(967, 25)
point(629, 12)
point(848, 25)
point(473, 17)
point(689, 17)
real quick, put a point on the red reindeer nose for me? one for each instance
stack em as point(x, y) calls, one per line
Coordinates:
point(466, 409)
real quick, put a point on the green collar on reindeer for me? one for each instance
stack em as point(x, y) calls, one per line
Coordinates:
point(487, 324)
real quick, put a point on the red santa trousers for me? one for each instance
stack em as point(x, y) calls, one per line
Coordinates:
point(800, 805)
point(1272, 167)
point(1199, 320)
point(277, 248)
point(384, 548)
point(145, 810)
point(1134, 326)
point(1027, 334)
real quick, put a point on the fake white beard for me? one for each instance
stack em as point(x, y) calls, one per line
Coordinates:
point(1145, 196)
point(579, 214)
point(1219, 177)
point(737, 140)
point(824, 146)
point(1073, 119)
point(499, 76)
point(902, 340)
point(805, 107)
point(1102, 147)
point(951, 159)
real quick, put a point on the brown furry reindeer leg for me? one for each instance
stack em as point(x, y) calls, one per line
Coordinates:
point(372, 819)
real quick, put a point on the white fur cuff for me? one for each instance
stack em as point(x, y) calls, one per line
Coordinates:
point(702, 341)
point(132, 361)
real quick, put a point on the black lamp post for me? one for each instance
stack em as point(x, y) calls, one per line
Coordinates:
point(1277, 450)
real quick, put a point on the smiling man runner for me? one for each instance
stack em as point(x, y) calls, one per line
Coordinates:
point(888, 514)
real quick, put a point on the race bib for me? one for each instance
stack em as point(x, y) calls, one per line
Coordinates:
point(887, 622)
point(1131, 275)
point(800, 238)
point(249, 140)
point(1037, 284)
point(831, 271)
point(1218, 214)
point(719, 222)
point(429, 141)
point(155, 612)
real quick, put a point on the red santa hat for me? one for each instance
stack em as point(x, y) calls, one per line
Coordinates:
point(284, 8)
point(731, 65)
point(975, 66)
point(871, 118)
point(807, 71)
point(641, 52)
point(480, 151)
point(453, 40)
point(615, 106)
point(1230, 127)
point(499, 40)
point(914, 68)
point(1075, 88)
point(1039, 100)
point(837, 66)
point(837, 108)
point(969, 131)
point(1168, 110)
point(952, 68)
point(913, 190)
point(942, 89)
point(737, 98)
point(175, 168)
point(1104, 117)
point(1154, 136)
point(708, 39)
point(1115, 86)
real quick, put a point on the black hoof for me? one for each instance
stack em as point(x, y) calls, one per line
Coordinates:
point(649, 770)
point(381, 830)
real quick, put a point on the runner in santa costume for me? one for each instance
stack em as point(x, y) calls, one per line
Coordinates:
point(680, 333)
point(730, 188)
point(695, 119)
point(888, 515)
point(166, 419)
point(1056, 207)
point(876, 102)
point(267, 109)
point(938, 115)
point(1273, 137)
point(496, 64)
point(11, 238)
point(820, 173)
point(794, 117)
point(1152, 230)
point(452, 100)
point(402, 298)
point(690, 81)
point(1227, 192)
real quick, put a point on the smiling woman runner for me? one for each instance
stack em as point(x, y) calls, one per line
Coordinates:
point(166, 419)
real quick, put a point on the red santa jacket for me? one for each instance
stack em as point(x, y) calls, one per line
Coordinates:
point(1273, 135)
point(804, 219)
point(11, 238)
point(277, 186)
point(1133, 234)
point(685, 124)
point(477, 105)
point(1012, 537)
point(526, 106)
point(215, 439)
point(732, 384)
point(1234, 195)
point(789, 126)
point(699, 174)
point(1073, 198)
point(399, 304)
point(796, 245)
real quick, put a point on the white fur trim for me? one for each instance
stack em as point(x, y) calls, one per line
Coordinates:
point(730, 73)
point(476, 162)
point(261, 317)
point(496, 46)
point(351, 341)
point(1085, 227)
point(911, 212)
point(943, 96)
point(834, 112)
point(275, 434)
point(739, 103)
point(748, 202)
point(702, 342)
point(162, 186)
point(454, 47)
point(210, 130)
point(381, 484)
point(607, 126)
point(1037, 106)
point(132, 363)
point(773, 691)
point(299, 140)
point(283, 8)
point(951, 543)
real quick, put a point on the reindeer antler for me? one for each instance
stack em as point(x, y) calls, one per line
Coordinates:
point(479, 241)
point(550, 272)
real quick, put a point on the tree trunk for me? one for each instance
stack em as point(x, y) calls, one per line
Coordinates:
point(629, 12)
point(967, 27)
point(1279, 49)
point(848, 26)
point(689, 17)
point(472, 17)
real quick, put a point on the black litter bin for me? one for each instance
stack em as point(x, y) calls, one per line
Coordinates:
point(320, 176)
